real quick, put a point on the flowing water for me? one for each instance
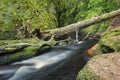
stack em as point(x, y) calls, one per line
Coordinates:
point(58, 64)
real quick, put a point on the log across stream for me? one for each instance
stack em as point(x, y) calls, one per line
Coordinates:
point(42, 66)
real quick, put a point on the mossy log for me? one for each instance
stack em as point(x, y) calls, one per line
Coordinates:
point(7, 49)
point(80, 25)
point(24, 54)
point(13, 50)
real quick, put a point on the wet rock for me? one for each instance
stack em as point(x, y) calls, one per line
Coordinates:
point(93, 50)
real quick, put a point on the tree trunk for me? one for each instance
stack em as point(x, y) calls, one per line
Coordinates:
point(82, 24)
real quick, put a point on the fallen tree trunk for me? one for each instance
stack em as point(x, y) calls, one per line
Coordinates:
point(82, 24)
point(23, 49)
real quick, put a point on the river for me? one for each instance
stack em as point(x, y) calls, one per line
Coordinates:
point(58, 64)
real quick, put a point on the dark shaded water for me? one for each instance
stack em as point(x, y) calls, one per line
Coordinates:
point(68, 71)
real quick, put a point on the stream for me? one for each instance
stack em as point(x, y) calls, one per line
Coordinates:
point(58, 64)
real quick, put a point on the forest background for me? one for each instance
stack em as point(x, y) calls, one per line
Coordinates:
point(50, 14)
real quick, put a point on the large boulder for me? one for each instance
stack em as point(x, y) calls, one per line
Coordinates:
point(102, 67)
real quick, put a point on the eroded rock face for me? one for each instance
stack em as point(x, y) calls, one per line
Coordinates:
point(102, 67)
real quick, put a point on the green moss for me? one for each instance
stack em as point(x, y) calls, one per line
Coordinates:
point(31, 41)
point(25, 53)
point(111, 39)
point(111, 32)
point(7, 42)
point(85, 74)
point(34, 47)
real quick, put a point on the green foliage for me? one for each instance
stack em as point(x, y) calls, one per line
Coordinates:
point(7, 34)
point(66, 10)
point(95, 8)
point(16, 13)
point(49, 14)
point(71, 11)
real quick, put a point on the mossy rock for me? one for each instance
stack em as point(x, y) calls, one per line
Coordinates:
point(101, 67)
point(85, 74)
point(110, 40)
